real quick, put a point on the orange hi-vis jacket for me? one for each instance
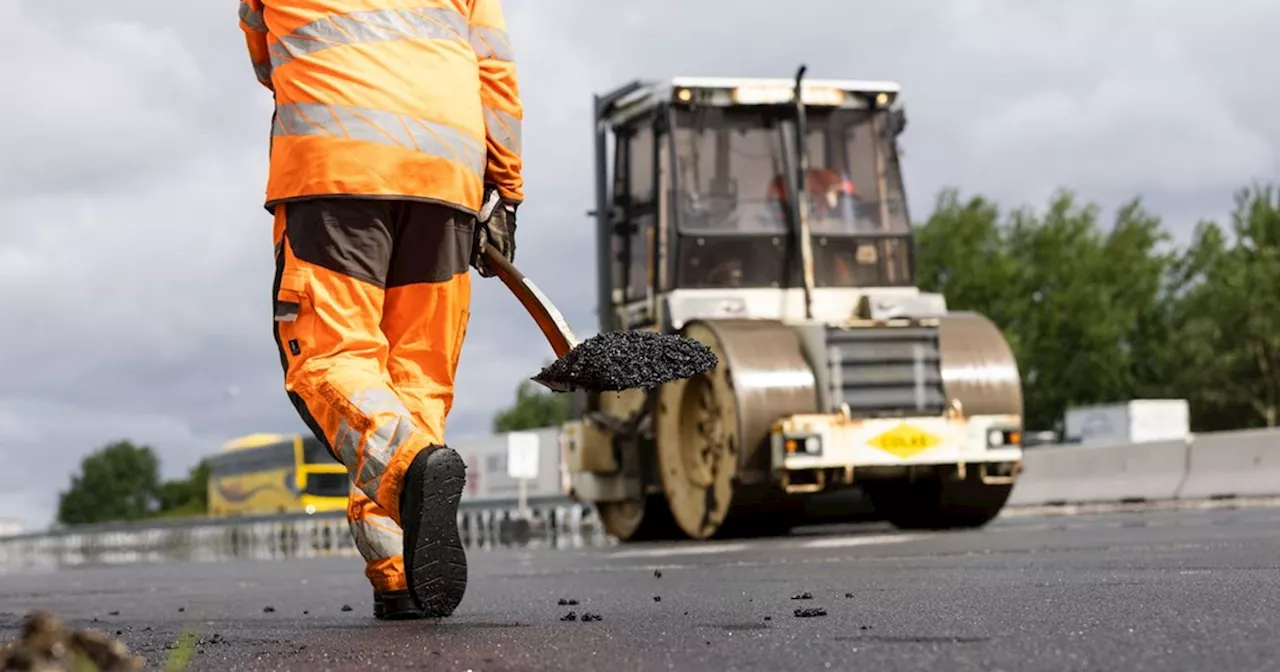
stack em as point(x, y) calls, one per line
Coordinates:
point(412, 99)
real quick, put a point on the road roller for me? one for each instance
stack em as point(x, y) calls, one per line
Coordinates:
point(767, 218)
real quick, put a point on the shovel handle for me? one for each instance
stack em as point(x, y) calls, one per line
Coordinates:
point(549, 320)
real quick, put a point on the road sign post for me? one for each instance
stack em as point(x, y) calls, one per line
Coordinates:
point(523, 456)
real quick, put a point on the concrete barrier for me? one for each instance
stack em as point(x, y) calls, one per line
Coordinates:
point(1233, 464)
point(1077, 474)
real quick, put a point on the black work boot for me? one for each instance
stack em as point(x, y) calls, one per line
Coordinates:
point(435, 563)
point(395, 606)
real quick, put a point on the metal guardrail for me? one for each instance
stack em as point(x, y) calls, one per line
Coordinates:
point(464, 508)
point(551, 521)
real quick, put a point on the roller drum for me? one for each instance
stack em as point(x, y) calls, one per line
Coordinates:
point(980, 372)
point(769, 378)
point(713, 429)
point(978, 367)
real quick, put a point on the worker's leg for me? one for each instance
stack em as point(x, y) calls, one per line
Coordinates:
point(332, 261)
point(379, 540)
point(381, 543)
point(427, 309)
point(428, 298)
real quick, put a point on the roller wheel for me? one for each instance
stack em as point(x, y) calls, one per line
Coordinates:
point(638, 520)
point(938, 504)
point(697, 444)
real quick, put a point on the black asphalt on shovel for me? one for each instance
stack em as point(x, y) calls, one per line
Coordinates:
point(608, 362)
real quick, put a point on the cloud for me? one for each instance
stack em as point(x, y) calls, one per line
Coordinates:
point(135, 258)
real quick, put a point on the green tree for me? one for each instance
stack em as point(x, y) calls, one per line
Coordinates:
point(1226, 317)
point(120, 481)
point(533, 409)
point(1078, 305)
point(186, 496)
point(963, 253)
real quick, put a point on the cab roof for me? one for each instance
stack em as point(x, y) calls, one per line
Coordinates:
point(640, 96)
point(849, 85)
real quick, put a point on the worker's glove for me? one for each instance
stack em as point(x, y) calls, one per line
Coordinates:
point(496, 226)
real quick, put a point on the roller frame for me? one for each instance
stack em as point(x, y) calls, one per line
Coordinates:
point(848, 443)
point(959, 436)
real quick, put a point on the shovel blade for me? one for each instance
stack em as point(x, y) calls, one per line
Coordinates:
point(554, 387)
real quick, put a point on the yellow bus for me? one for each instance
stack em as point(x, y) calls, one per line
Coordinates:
point(275, 473)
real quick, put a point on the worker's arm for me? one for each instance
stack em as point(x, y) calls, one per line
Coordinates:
point(255, 35)
point(500, 94)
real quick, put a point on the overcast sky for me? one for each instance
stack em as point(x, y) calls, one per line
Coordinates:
point(135, 256)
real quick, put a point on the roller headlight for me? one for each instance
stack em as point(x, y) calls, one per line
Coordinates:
point(803, 445)
point(999, 438)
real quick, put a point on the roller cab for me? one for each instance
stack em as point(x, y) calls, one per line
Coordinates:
point(793, 262)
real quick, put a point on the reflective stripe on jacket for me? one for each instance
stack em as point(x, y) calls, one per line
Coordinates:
point(388, 98)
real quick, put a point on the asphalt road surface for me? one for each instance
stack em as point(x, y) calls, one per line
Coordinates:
point(1163, 591)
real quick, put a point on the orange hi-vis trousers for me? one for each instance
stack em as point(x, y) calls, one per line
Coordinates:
point(372, 300)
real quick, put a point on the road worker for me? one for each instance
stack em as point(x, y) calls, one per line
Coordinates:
point(831, 198)
point(392, 128)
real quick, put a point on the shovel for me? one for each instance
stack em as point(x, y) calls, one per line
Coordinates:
point(544, 313)
point(636, 359)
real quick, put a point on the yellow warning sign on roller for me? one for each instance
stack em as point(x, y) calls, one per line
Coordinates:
point(905, 441)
